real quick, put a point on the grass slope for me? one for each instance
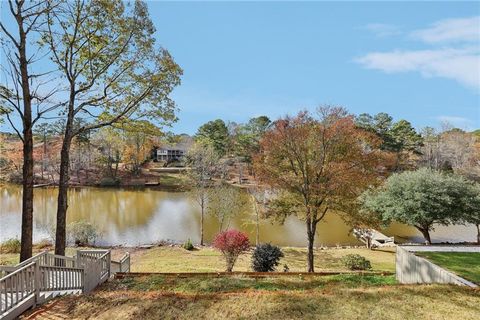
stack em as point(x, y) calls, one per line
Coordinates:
point(464, 264)
point(176, 259)
point(333, 297)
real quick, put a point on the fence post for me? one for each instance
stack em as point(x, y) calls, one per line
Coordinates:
point(109, 263)
point(79, 259)
point(82, 279)
point(37, 279)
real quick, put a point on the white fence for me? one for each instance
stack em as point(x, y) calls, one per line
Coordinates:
point(413, 269)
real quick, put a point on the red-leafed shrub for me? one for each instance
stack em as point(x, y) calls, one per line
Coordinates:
point(231, 243)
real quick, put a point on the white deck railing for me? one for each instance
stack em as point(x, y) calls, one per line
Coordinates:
point(23, 284)
point(121, 266)
point(18, 286)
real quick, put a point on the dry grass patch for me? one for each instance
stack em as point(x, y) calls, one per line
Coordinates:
point(335, 297)
point(176, 259)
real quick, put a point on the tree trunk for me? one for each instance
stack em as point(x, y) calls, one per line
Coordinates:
point(62, 204)
point(201, 224)
point(478, 233)
point(27, 197)
point(311, 239)
point(257, 221)
point(257, 235)
point(426, 234)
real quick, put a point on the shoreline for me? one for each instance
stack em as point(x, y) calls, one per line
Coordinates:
point(158, 187)
point(178, 244)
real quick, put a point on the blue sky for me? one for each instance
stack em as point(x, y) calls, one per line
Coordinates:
point(418, 61)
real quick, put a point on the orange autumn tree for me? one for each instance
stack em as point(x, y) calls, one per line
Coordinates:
point(315, 164)
point(139, 138)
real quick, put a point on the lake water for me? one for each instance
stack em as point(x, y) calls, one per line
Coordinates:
point(134, 217)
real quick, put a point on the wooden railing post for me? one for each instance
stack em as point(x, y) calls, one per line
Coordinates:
point(37, 279)
point(108, 263)
point(82, 279)
point(78, 258)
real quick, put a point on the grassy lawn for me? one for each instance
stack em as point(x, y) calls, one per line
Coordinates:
point(177, 180)
point(176, 259)
point(464, 264)
point(332, 297)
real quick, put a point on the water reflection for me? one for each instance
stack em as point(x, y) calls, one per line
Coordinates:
point(132, 217)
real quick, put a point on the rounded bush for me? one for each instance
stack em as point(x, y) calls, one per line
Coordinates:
point(266, 257)
point(82, 233)
point(356, 262)
point(188, 245)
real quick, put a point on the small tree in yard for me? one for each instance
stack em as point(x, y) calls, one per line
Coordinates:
point(231, 243)
point(266, 257)
point(203, 163)
point(423, 198)
point(473, 214)
point(316, 165)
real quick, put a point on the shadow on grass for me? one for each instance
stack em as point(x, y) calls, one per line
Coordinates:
point(235, 284)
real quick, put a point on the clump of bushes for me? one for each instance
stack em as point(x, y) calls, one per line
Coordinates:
point(188, 245)
point(15, 177)
point(266, 257)
point(82, 233)
point(12, 245)
point(109, 182)
point(231, 243)
point(356, 262)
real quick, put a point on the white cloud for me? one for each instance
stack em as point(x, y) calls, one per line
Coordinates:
point(460, 62)
point(462, 65)
point(382, 29)
point(450, 30)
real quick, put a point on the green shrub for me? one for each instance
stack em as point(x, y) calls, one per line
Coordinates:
point(356, 262)
point(82, 233)
point(109, 182)
point(187, 245)
point(265, 257)
point(12, 245)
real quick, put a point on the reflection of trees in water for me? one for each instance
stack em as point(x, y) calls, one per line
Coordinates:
point(122, 208)
point(9, 196)
point(149, 215)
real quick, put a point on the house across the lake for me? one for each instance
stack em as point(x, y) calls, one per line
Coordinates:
point(173, 151)
point(169, 154)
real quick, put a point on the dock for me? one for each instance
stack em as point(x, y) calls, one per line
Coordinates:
point(373, 238)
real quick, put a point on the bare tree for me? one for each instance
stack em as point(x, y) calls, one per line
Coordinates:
point(203, 163)
point(225, 202)
point(258, 195)
point(453, 149)
point(23, 95)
